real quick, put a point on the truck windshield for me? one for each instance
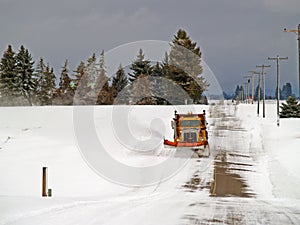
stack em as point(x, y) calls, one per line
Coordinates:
point(189, 123)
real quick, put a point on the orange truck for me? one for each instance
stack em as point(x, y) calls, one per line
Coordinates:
point(190, 131)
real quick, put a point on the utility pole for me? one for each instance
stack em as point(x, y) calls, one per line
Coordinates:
point(298, 34)
point(264, 88)
point(241, 93)
point(246, 92)
point(247, 88)
point(252, 80)
point(277, 58)
point(258, 94)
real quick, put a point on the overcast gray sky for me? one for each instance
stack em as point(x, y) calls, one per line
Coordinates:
point(234, 35)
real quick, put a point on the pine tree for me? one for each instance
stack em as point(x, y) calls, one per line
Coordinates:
point(141, 91)
point(102, 62)
point(165, 66)
point(102, 85)
point(40, 75)
point(7, 76)
point(168, 87)
point(185, 68)
point(24, 80)
point(64, 80)
point(290, 109)
point(80, 80)
point(286, 91)
point(157, 85)
point(39, 72)
point(47, 86)
point(92, 59)
point(78, 73)
point(65, 91)
point(139, 67)
point(119, 82)
point(85, 80)
point(237, 92)
point(241, 93)
point(91, 72)
point(157, 70)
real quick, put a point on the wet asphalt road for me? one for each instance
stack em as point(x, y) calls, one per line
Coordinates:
point(231, 199)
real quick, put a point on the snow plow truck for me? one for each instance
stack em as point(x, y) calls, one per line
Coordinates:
point(190, 132)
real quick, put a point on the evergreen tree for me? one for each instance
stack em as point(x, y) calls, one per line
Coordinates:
point(157, 85)
point(139, 67)
point(242, 93)
point(65, 92)
point(64, 80)
point(165, 66)
point(102, 85)
point(119, 82)
point(92, 59)
point(40, 75)
point(237, 93)
point(290, 109)
point(168, 88)
point(39, 72)
point(80, 82)
point(78, 73)
point(7, 76)
point(185, 68)
point(91, 72)
point(286, 91)
point(102, 62)
point(157, 70)
point(141, 91)
point(47, 86)
point(85, 81)
point(24, 80)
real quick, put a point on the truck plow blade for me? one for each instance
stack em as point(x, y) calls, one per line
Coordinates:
point(185, 144)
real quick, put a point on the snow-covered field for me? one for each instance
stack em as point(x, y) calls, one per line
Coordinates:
point(281, 148)
point(33, 137)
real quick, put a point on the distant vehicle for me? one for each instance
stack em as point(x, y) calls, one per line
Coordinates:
point(190, 132)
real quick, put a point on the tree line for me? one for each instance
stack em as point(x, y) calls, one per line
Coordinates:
point(240, 93)
point(24, 82)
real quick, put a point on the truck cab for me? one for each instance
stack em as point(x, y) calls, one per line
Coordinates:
point(189, 128)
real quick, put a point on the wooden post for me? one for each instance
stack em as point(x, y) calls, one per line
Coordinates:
point(44, 182)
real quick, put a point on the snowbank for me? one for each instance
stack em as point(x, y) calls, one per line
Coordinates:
point(278, 148)
point(33, 137)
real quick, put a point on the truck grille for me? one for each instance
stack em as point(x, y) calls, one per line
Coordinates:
point(190, 137)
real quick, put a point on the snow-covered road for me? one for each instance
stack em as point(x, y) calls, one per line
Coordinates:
point(235, 185)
